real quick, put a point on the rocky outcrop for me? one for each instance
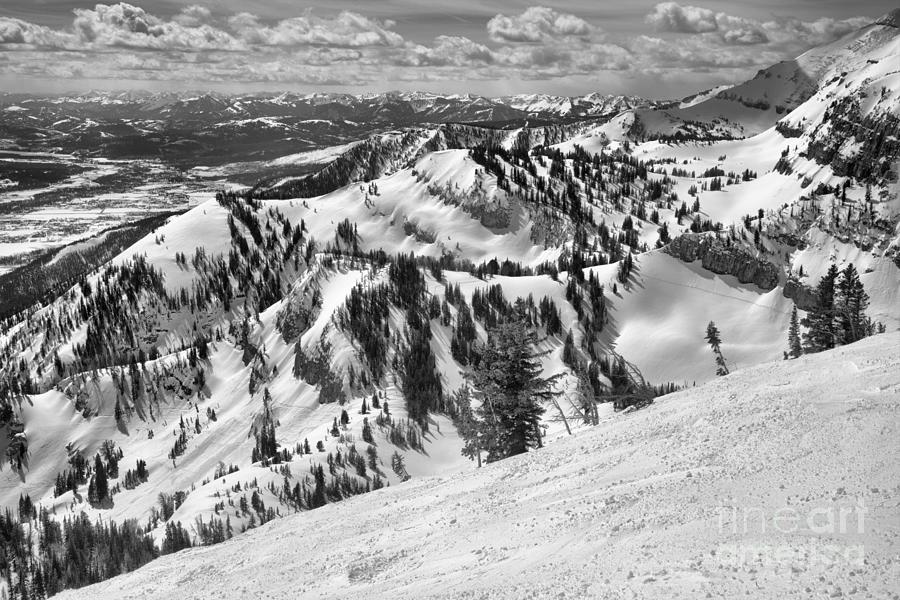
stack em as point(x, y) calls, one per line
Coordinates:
point(301, 306)
point(492, 210)
point(787, 130)
point(723, 259)
point(855, 145)
point(803, 296)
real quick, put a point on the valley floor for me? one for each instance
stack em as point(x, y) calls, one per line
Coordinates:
point(778, 481)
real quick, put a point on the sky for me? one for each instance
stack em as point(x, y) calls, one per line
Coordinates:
point(641, 47)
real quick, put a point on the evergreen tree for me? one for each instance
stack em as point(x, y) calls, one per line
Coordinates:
point(266, 446)
point(367, 431)
point(420, 382)
point(715, 341)
point(850, 306)
point(822, 328)
point(98, 488)
point(794, 347)
point(319, 497)
point(398, 466)
point(507, 377)
point(467, 424)
point(569, 356)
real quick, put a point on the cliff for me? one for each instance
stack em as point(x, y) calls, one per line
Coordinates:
point(718, 257)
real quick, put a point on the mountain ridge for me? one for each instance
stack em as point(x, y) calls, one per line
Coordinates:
point(328, 313)
point(610, 523)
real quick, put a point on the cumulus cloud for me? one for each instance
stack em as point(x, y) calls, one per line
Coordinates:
point(698, 40)
point(672, 17)
point(538, 24)
point(695, 54)
point(193, 16)
point(447, 51)
point(788, 33)
point(347, 29)
point(812, 33)
point(17, 31)
point(124, 41)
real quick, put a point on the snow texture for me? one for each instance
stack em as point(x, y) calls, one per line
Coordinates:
point(778, 481)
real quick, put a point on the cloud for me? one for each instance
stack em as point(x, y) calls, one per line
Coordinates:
point(193, 16)
point(123, 41)
point(674, 18)
point(696, 54)
point(671, 16)
point(17, 31)
point(786, 33)
point(812, 33)
point(447, 51)
point(128, 26)
point(347, 29)
point(542, 42)
point(538, 24)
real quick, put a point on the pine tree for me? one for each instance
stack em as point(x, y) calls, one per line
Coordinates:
point(367, 432)
point(715, 342)
point(794, 347)
point(467, 424)
point(850, 306)
point(98, 488)
point(398, 466)
point(507, 377)
point(568, 355)
point(420, 382)
point(319, 497)
point(266, 446)
point(820, 321)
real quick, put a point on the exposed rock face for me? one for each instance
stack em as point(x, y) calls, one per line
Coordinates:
point(719, 258)
point(803, 296)
point(492, 211)
point(873, 139)
point(301, 307)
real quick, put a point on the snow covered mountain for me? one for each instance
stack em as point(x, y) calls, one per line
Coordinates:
point(854, 66)
point(397, 107)
point(188, 127)
point(733, 488)
point(596, 104)
point(312, 337)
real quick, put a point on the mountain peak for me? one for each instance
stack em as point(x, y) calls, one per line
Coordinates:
point(891, 19)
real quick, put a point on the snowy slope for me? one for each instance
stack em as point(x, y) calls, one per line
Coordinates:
point(403, 192)
point(434, 200)
point(778, 481)
point(864, 57)
point(426, 209)
point(659, 318)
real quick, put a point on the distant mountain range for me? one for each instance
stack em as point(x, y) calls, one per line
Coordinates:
point(212, 128)
point(389, 107)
